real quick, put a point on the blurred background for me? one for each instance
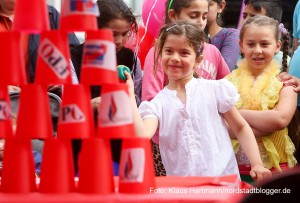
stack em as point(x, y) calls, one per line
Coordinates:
point(230, 16)
point(136, 5)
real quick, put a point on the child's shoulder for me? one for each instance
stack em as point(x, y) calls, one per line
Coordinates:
point(230, 30)
point(210, 50)
point(221, 84)
point(212, 82)
point(163, 93)
point(210, 47)
point(222, 90)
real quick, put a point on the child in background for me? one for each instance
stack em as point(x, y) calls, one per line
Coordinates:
point(264, 103)
point(117, 16)
point(225, 39)
point(212, 66)
point(294, 68)
point(272, 9)
point(295, 62)
point(191, 113)
point(296, 26)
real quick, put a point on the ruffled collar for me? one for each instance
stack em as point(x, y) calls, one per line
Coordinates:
point(254, 90)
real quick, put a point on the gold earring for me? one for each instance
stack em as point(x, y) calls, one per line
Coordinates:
point(219, 15)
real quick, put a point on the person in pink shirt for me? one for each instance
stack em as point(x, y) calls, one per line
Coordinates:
point(212, 67)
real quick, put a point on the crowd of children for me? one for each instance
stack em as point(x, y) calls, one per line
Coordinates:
point(203, 84)
point(261, 54)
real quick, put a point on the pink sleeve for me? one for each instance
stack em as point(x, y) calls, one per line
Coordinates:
point(152, 84)
point(223, 68)
point(213, 66)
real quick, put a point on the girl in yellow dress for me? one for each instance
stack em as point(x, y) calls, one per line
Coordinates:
point(265, 104)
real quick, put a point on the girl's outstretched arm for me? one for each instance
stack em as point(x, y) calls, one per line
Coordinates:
point(246, 138)
point(143, 127)
point(277, 118)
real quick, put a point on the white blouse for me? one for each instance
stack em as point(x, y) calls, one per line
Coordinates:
point(193, 138)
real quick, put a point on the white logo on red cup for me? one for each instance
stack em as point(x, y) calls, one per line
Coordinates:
point(80, 7)
point(132, 165)
point(115, 109)
point(71, 114)
point(99, 54)
point(54, 58)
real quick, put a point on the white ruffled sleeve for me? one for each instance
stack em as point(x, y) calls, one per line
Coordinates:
point(226, 94)
point(150, 109)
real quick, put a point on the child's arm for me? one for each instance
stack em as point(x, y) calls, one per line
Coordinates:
point(256, 132)
point(143, 128)
point(247, 140)
point(277, 118)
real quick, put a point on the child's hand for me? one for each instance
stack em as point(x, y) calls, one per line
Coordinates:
point(290, 80)
point(96, 103)
point(121, 70)
point(259, 173)
point(130, 84)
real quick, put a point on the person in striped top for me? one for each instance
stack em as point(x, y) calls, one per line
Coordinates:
point(225, 39)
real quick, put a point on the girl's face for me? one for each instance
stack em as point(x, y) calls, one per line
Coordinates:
point(121, 30)
point(213, 10)
point(259, 46)
point(178, 58)
point(249, 12)
point(196, 13)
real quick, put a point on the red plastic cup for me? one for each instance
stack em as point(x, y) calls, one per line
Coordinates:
point(12, 70)
point(34, 118)
point(5, 114)
point(18, 167)
point(31, 16)
point(136, 166)
point(76, 118)
point(115, 118)
point(95, 167)
point(57, 169)
point(99, 64)
point(53, 62)
point(79, 15)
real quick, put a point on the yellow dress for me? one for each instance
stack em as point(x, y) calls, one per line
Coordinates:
point(262, 93)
